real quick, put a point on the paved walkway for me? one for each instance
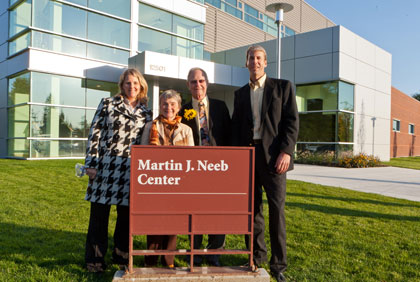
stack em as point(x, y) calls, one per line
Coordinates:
point(394, 182)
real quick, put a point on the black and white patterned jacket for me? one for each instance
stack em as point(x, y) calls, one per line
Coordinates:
point(114, 129)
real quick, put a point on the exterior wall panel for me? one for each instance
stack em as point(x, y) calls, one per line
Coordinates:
point(312, 19)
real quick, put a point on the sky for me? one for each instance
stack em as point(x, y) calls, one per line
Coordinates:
point(393, 25)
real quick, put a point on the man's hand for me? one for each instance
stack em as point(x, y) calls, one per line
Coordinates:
point(282, 162)
point(91, 172)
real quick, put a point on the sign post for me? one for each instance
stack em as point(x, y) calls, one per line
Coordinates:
point(191, 190)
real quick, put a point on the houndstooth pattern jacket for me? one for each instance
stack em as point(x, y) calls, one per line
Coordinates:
point(114, 129)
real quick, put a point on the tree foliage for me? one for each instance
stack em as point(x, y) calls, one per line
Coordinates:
point(416, 96)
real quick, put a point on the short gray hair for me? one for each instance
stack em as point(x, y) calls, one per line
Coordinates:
point(169, 94)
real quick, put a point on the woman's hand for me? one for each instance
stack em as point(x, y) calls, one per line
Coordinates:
point(91, 172)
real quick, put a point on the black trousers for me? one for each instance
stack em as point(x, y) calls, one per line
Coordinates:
point(275, 189)
point(97, 236)
point(214, 242)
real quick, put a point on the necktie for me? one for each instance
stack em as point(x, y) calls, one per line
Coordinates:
point(204, 130)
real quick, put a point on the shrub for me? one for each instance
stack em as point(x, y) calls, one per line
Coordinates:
point(360, 160)
point(342, 159)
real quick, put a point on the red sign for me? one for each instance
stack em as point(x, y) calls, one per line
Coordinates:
point(191, 190)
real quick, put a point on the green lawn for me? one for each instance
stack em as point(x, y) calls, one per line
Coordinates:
point(407, 162)
point(333, 234)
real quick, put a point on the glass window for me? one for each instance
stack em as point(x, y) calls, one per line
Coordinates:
point(96, 90)
point(411, 128)
point(19, 89)
point(79, 2)
point(59, 44)
point(345, 96)
point(18, 121)
point(251, 11)
point(345, 127)
point(317, 97)
point(18, 148)
point(120, 8)
point(231, 10)
point(316, 147)
point(240, 5)
point(20, 43)
point(104, 53)
point(155, 17)
point(395, 125)
point(253, 21)
point(60, 18)
point(289, 31)
point(188, 28)
point(317, 127)
point(54, 122)
point(215, 3)
point(232, 2)
point(57, 148)
point(152, 40)
point(54, 89)
point(20, 18)
point(187, 48)
point(108, 30)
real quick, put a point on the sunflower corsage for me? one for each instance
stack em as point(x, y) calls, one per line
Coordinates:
point(189, 114)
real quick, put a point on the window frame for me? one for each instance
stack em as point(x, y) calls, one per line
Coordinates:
point(411, 129)
point(398, 123)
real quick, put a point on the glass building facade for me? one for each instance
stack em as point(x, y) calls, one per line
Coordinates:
point(326, 114)
point(49, 115)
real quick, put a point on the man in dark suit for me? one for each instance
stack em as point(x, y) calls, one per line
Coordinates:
point(211, 126)
point(265, 116)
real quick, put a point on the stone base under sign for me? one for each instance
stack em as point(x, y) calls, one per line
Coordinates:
point(183, 274)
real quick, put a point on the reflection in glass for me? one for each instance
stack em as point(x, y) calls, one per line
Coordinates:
point(253, 21)
point(231, 10)
point(54, 122)
point(152, 40)
point(317, 127)
point(18, 121)
point(346, 96)
point(187, 48)
point(215, 3)
point(308, 97)
point(108, 30)
point(96, 90)
point(20, 18)
point(60, 18)
point(120, 8)
point(345, 127)
point(155, 17)
point(55, 89)
point(19, 89)
point(57, 148)
point(18, 148)
point(188, 28)
point(104, 53)
point(59, 44)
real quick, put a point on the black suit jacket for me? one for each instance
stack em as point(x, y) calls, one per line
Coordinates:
point(219, 123)
point(279, 119)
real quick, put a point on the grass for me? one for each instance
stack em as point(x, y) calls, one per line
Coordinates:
point(406, 162)
point(333, 234)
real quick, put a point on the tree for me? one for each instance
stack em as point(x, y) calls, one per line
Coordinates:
point(416, 96)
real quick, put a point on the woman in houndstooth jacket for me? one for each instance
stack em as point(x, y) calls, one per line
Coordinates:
point(118, 123)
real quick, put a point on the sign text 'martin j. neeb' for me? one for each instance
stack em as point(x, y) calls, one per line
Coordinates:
point(201, 165)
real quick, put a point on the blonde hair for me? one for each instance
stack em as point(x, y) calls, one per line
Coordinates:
point(254, 48)
point(142, 96)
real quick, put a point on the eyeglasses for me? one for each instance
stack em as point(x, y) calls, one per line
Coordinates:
point(197, 81)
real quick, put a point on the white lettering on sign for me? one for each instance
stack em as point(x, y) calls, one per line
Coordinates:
point(157, 68)
point(168, 165)
point(143, 179)
point(207, 166)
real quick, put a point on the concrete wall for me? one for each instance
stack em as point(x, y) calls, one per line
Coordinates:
point(407, 110)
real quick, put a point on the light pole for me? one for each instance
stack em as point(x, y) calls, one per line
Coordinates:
point(279, 8)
